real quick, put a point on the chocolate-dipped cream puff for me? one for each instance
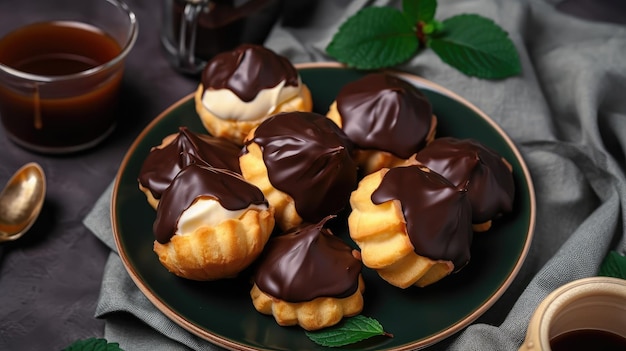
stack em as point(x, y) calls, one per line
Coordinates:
point(179, 150)
point(303, 164)
point(241, 88)
point(387, 118)
point(491, 189)
point(412, 225)
point(211, 224)
point(308, 277)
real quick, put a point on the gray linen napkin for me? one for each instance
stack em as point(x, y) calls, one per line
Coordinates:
point(566, 113)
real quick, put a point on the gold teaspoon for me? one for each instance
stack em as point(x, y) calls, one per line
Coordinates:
point(21, 201)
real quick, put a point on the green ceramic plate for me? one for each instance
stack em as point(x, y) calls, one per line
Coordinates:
point(222, 312)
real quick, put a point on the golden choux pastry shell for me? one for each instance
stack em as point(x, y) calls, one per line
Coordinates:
point(381, 234)
point(318, 313)
point(222, 251)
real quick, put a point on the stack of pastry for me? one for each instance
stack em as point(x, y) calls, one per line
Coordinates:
point(414, 223)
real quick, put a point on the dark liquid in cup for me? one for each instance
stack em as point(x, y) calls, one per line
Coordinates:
point(588, 339)
point(60, 114)
point(224, 24)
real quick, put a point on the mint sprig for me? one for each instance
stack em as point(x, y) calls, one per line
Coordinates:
point(349, 331)
point(93, 344)
point(614, 265)
point(380, 37)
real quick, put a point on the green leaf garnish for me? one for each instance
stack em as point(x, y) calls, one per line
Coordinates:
point(349, 331)
point(374, 37)
point(93, 344)
point(380, 37)
point(476, 46)
point(614, 265)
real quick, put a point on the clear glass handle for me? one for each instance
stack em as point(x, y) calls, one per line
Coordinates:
point(187, 62)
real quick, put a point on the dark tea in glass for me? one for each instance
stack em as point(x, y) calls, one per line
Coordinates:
point(59, 80)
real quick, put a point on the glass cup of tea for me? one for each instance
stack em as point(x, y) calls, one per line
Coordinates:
point(193, 31)
point(60, 74)
point(586, 314)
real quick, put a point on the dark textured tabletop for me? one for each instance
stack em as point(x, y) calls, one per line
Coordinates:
point(50, 279)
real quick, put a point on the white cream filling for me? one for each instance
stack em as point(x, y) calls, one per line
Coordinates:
point(225, 104)
point(208, 212)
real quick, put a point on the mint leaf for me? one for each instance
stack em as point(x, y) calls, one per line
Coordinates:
point(93, 344)
point(614, 265)
point(419, 10)
point(476, 46)
point(374, 37)
point(349, 331)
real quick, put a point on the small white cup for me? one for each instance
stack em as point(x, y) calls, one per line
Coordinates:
point(596, 303)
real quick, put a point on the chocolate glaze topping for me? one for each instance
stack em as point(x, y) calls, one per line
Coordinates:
point(437, 214)
point(491, 187)
point(309, 158)
point(307, 262)
point(197, 181)
point(248, 69)
point(384, 112)
point(163, 164)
